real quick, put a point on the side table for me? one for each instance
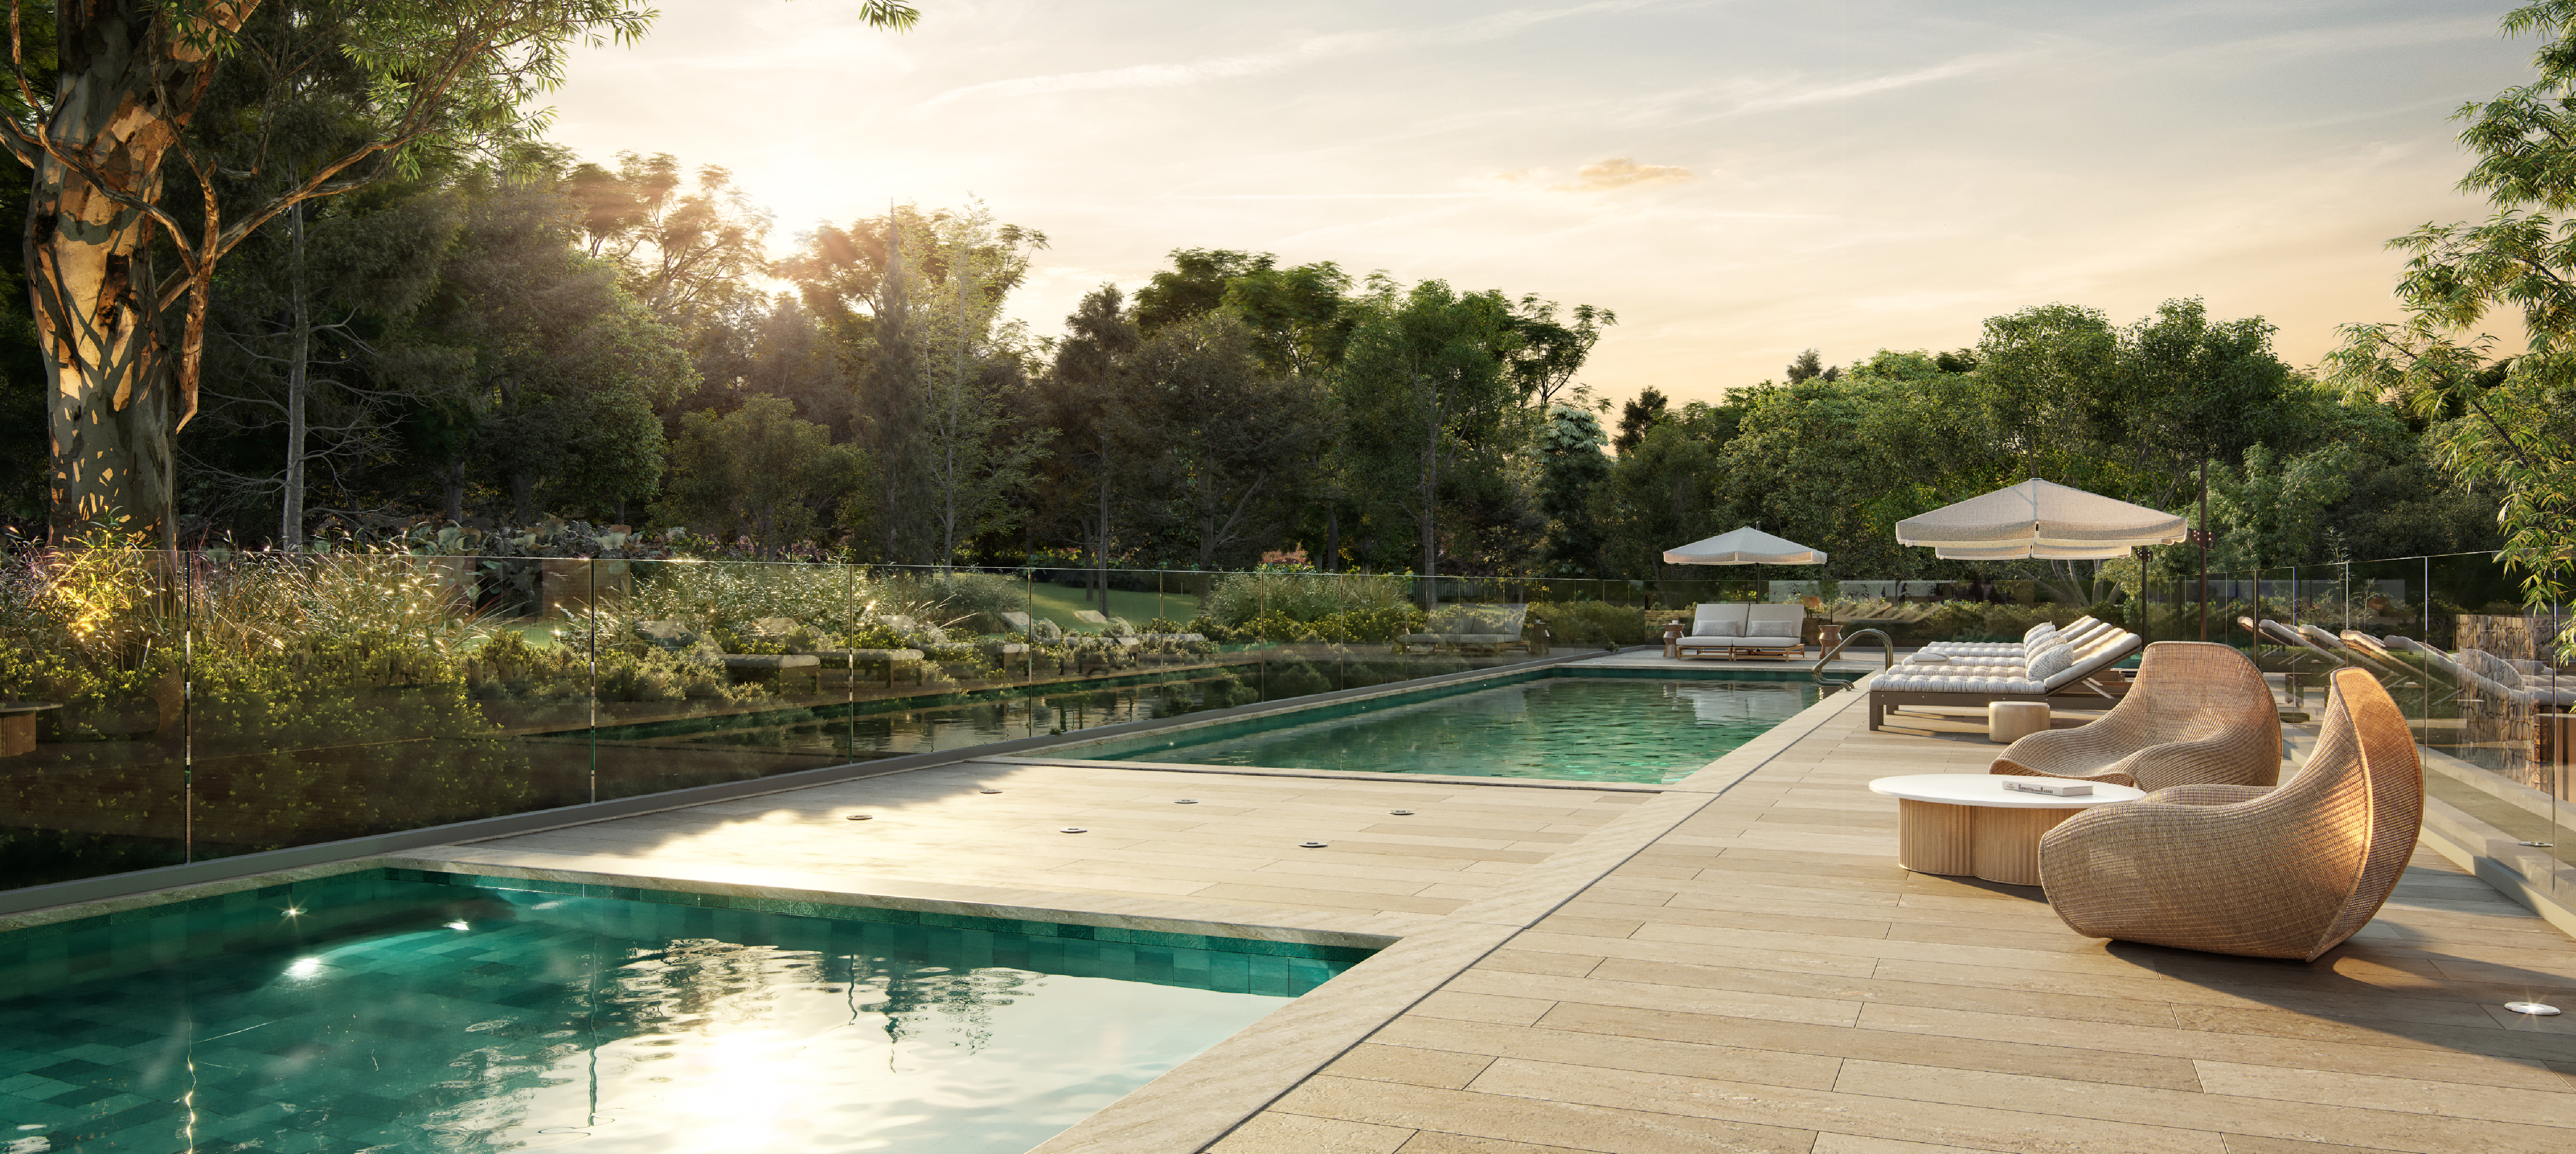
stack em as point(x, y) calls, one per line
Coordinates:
point(1673, 640)
point(1968, 823)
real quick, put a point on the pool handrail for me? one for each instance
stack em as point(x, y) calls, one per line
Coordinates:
point(1885, 643)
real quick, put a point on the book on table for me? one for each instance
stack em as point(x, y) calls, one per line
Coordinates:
point(2051, 788)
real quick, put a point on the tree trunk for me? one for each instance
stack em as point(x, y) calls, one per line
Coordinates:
point(290, 528)
point(1100, 541)
point(124, 92)
point(1333, 537)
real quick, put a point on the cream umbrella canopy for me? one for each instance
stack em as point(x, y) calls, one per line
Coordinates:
point(2039, 519)
point(1745, 546)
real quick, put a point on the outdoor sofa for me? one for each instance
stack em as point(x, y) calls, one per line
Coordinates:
point(1481, 627)
point(2288, 872)
point(2198, 714)
point(1735, 629)
point(2060, 672)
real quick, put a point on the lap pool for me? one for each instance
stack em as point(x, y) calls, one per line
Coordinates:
point(396, 1010)
point(1563, 723)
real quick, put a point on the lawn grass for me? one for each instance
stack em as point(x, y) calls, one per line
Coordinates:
point(1059, 603)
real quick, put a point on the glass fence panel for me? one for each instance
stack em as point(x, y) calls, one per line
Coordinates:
point(336, 695)
point(93, 722)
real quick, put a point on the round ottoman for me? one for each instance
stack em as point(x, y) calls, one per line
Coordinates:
point(2011, 721)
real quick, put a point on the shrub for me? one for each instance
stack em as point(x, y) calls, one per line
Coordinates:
point(1590, 622)
point(1240, 597)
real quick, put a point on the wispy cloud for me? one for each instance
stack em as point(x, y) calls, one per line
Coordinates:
point(1622, 172)
point(1320, 48)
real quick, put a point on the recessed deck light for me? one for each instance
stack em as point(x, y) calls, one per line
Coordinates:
point(988, 791)
point(1312, 844)
point(1073, 829)
point(2535, 1009)
point(1401, 812)
point(1185, 801)
point(858, 817)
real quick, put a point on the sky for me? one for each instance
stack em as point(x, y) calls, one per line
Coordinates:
point(1736, 181)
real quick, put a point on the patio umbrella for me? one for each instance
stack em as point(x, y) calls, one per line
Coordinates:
point(2039, 519)
point(1745, 546)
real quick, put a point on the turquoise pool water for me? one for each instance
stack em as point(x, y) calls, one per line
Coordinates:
point(403, 1011)
point(1554, 724)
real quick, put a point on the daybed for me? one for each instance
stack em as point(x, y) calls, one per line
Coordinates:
point(1734, 629)
point(2060, 672)
point(2198, 714)
point(2267, 873)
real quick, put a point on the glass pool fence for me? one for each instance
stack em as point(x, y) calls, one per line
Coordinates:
point(167, 707)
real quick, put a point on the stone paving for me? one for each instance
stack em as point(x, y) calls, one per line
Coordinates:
point(1763, 978)
point(1728, 963)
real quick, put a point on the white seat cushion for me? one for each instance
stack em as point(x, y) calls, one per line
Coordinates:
point(2007, 681)
point(1766, 642)
point(1718, 619)
point(2050, 662)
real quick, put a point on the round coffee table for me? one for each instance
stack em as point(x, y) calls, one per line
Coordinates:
point(1968, 823)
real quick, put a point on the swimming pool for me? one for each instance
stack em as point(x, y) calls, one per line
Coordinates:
point(397, 1010)
point(1567, 724)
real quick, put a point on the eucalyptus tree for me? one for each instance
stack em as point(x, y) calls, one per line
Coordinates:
point(1225, 435)
point(1428, 395)
point(687, 249)
point(970, 362)
point(1099, 448)
point(1553, 350)
point(114, 252)
point(554, 371)
point(2514, 430)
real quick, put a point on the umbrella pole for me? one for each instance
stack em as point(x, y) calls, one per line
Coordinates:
point(2202, 536)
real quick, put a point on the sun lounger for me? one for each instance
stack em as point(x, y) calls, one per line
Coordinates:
point(2075, 633)
point(2061, 673)
point(2393, 674)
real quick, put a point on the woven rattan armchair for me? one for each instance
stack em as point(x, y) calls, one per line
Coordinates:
point(2281, 873)
point(2197, 715)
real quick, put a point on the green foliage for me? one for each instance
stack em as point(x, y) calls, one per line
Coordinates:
point(757, 471)
point(1590, 622)
point(1237, 598)
point(1571, 466)
point(1225, 438)
point(2514, 430)
point(1431, 408)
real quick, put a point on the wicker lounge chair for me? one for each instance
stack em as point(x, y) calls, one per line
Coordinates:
point(2198, 714)
point(2280, 873)
point(2087, 676)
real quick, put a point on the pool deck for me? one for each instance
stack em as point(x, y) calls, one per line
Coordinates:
point(1728, 963)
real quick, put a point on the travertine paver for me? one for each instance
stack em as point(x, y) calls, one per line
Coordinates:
point(1763, 978)
point(1238, 846)
point(1760, 977)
